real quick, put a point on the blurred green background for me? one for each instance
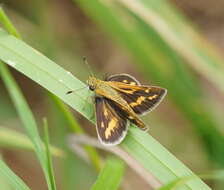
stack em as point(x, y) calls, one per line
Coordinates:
point(173, 44)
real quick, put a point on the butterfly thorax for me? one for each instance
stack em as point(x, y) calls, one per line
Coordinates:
point(103, 88)
point(92, 82)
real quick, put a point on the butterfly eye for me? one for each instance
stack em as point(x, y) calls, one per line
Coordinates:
point(91, 87)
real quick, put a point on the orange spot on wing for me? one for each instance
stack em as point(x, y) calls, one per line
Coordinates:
point(152, 97)
point(105, 112)
point(102, 124)
point(111, 126)
point(138, 102)
point(147, 90)
point(130, 117)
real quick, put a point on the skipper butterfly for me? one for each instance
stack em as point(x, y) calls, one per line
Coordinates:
point(119, 100)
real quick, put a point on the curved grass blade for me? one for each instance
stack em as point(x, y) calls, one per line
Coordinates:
point(48, 155)
point(22, 107)
point(95, 158)
point(58, 81)
point(218, 175)
point(39, 68)
point(76, 128)
point(12, 139)
point(110, 176)
point(156, 159)
point(7, 23)
point(12, 178)
point(27, 118)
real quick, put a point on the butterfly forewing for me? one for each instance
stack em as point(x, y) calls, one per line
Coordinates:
point(124, 78)
point(111, 122)
point(141, 99)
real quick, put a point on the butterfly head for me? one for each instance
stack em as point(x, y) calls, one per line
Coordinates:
point(92, 83)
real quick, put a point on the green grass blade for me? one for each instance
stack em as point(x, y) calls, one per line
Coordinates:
point(217, 175)
point(12, 139)
point(26, 116)
point(32, 63)
point(111, 175)
point(7, 24)
point(73, 123)
point(76, 128)
point(48, 155)
point(12, 178)
point(4, 183)
point(22, 107)
point(58, 81)
point(157, 159)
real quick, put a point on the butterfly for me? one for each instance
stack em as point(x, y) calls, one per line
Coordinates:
point(119, 100)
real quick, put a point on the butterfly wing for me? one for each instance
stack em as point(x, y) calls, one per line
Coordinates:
point(111, 122)
point(124, 78)
point(141, 99)
point(145, 98)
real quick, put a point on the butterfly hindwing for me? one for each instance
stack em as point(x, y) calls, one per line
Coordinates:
point(124, 78)
point(111, 121)
point(128, 116)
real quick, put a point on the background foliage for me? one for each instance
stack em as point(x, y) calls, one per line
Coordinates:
point(151, 40)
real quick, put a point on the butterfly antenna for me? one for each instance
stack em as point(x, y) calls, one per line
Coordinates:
point(87, 64)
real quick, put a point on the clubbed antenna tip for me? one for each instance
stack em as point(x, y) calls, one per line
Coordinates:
point(87, 64)
point(69, 92)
